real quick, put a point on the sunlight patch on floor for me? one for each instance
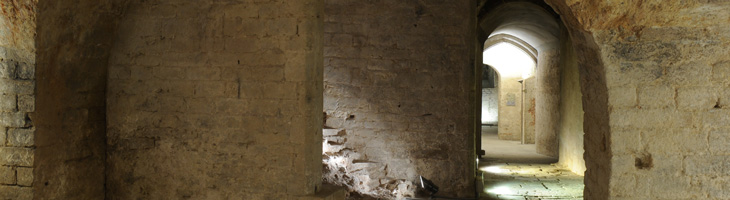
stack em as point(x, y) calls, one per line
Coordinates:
point(530, 181)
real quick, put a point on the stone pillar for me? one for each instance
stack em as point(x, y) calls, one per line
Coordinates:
point(547, 102)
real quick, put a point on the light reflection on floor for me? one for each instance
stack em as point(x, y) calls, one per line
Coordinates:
point(530, 181)
point(515, 171)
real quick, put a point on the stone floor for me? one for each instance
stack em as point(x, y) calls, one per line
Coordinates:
point(511, 170)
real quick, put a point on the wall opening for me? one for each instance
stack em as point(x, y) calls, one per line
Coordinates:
point(551, 111)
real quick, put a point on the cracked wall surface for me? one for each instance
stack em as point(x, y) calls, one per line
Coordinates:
point(398, 80)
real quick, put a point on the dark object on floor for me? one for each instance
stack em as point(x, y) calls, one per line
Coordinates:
point(428, 185)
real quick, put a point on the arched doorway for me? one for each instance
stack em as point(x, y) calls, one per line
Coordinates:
point(550, 118)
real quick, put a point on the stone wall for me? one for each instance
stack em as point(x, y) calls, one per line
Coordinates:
point(570, 127)
point(510, 112)
point(664, 69)
point(17, 102)
point(216, 100)
point(548, 101)
point(399, 94)
point(73, 41)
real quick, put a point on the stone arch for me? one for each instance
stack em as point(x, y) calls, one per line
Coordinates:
point(595, 104)
point(511, 39)
point(593, 87)
point(536, 31)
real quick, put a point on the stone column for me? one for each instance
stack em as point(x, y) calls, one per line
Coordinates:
point(547, 102)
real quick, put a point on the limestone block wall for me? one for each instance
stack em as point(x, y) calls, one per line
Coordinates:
point(17, 98)
point(399, 90)
point(490, 106)
point(216, 100)
point(664, 68)
point(669, 113)
point(570, 131)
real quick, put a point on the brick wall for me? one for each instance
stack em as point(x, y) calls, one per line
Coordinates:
point(399, 90)
point(216, 100)
point(17, 98)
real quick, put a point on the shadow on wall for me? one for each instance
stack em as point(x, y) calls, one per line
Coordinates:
point(397, 82)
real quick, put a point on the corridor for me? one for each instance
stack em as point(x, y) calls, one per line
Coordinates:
point(511, 170)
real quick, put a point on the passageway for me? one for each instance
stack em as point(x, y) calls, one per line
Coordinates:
point(534, 149)
point(511, 170)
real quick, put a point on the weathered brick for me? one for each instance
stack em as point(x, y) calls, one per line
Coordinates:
point(16, 156)
point(17, 86)
point(699, 165)
point(25, 176)
point(657, 97)
point(696, 98)
point(8, 103)
point(16, 192)
point(25, 71)
point(7, 175)
point(675, 141)
point(26, 103)
point(21, 137)
point(7, 69)
point(14, 119)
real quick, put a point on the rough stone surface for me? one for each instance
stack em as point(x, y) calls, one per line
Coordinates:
point(17, 81)
point(73, 40)
point(398, 83)
point(632, 52)
point(215, 100)
point(220, 99)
